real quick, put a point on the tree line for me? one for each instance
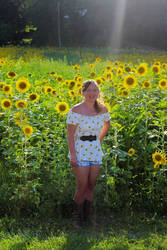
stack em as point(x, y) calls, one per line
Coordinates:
point(82, 22)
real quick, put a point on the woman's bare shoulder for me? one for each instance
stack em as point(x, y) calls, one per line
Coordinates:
point(77, 108)
point(104, 109)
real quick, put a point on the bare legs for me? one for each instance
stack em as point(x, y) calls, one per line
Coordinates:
point(85, 180)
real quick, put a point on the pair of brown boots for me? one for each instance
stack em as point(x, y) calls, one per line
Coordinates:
point(82, 213)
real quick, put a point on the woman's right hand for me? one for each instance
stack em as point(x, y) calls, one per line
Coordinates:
point(73, 161)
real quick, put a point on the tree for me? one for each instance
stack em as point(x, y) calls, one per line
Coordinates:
point(12, 22)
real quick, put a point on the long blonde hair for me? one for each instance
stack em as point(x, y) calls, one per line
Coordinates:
point(97, 104)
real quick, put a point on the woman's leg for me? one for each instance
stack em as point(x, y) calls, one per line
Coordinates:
point(88, 204)
point(81, 175)
point(92, 177)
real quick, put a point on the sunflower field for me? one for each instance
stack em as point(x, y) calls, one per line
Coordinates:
point(37, 89)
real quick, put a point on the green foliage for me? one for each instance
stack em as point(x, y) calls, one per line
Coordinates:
point(36, 178)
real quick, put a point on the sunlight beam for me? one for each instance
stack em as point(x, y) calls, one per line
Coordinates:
point(118, 24)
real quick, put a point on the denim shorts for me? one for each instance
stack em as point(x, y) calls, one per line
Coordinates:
point(88, 163)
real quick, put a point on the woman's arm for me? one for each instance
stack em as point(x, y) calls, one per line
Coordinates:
point(104, 130)
point(71, 143)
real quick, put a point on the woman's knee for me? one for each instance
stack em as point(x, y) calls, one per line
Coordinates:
point(81, 188)
point(91, 186)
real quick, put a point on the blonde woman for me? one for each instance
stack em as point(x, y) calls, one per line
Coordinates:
point(87, 124)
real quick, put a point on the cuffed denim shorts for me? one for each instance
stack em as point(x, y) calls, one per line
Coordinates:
point(88, 163)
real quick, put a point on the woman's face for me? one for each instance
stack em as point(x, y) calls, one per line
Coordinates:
point(91, 93)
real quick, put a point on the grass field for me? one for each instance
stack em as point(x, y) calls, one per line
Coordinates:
point(113, 232)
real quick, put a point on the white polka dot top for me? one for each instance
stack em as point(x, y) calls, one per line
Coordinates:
point(87, 125)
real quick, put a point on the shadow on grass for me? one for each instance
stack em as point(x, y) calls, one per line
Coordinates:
point(113, 230)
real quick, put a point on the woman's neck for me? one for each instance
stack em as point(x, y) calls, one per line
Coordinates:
point(89, 105)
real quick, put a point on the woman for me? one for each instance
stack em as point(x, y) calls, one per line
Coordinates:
point(88, 122)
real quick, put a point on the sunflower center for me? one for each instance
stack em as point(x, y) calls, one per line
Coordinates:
point(62, 108)
point(12, 74)
point(21, 104)
point(141, 70)
point(33, 97)
point(7, 104)
point(130, 81)
point(98, 81)
point(109, 76)
point(125, 92)
point(146, 84)
point(158, 157)
point(72, 84)
point(127, 69)
point(27, 130)
point(163, 83)
point(155, 69)
point(22, 85)
point(6, 88)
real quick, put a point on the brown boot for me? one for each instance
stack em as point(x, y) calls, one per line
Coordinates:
point(77, 212)
point(87, 212)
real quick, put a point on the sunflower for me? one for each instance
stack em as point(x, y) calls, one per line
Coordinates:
point(157, 63)
point(28, 130)
point(6, 104)
point(92, 65)
point(92, 74)
point(2, 62)
point(158, 157)
point(117, 63)
point(119, 71)
point(98, 59)
point(79, 79)
point(52, 73)
point(142, 69)
point(131, 152)
point(22, 85)
point(59, 78)
point(62, 108)
point(11, 74)
point(76, 67)
point(108, 67)
point(21, 104)
point(156, 69)
point(71, 93)
point(78, 85)
point(129, 81)
point(33, 97)
point(108, 75)
point(99, 80)
point(54, 92)
point(2, 84)
point(47, 89)
point(162, 84)
point(125, 93)
point(72, 84)
point(127, 69)
point(7, 89)
point(120, 90)
point(146, 85)
point(20, 119)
